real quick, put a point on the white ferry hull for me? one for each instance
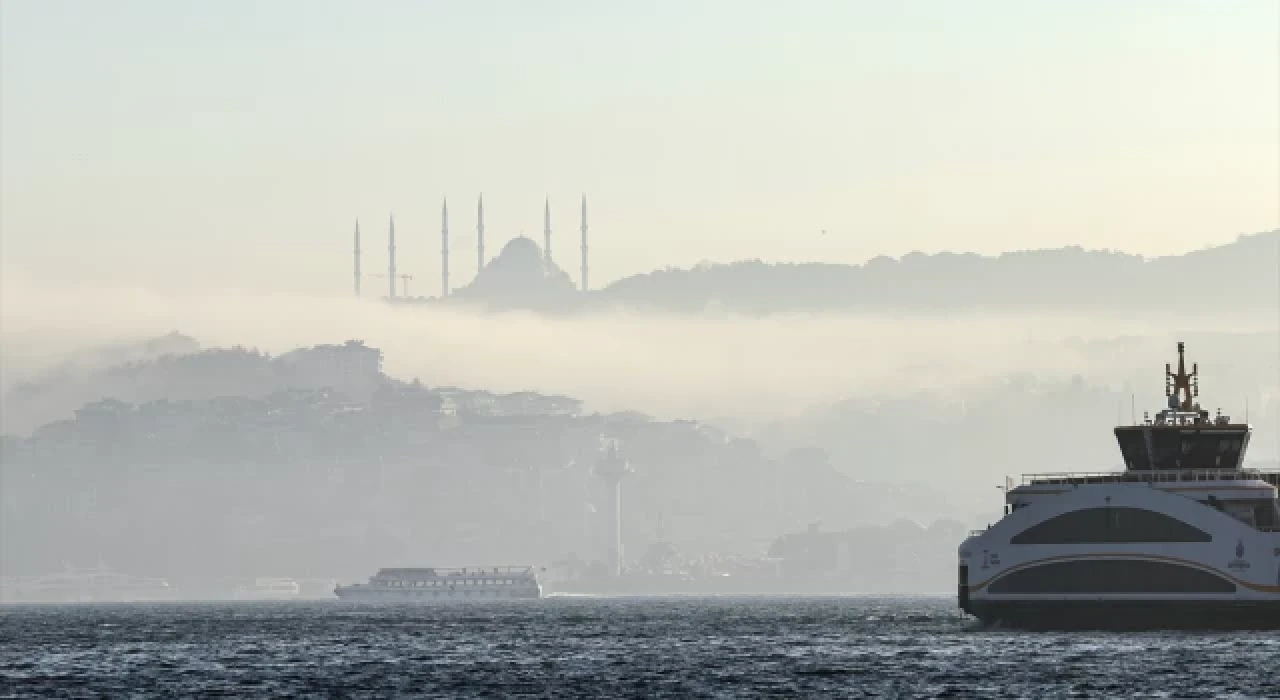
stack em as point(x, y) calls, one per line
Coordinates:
point(1230, 579)
point(1129, 614)
point(362, 593)
point(91, 587)
point(263, 596)
point(270, 589)
point(87, 595)
point(445, 585)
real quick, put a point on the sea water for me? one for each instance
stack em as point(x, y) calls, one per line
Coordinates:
point(605, 647)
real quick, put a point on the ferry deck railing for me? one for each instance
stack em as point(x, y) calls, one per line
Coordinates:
point(1155, 476)
point(458, 572)
point(1260, 528)
point(1270, 476)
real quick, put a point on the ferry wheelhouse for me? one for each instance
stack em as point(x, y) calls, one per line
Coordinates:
point(1184, 537)
point(445, 584)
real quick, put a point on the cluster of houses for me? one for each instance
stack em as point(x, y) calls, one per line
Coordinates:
point(316, 464)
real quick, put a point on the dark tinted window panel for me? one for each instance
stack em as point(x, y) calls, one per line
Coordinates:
point(1264, 515)
point(1167, 449)
point(1112, 576)
point(1174, 448)
point(1203, 451)
point(1133, 447)
point(1111, 525)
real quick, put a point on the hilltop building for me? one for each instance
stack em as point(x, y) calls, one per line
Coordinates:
point(511, 280)
point(352, 368)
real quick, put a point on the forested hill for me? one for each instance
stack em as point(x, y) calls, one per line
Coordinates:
point(1235, 276)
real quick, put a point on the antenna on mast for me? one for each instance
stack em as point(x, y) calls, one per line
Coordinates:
point(1179, 388)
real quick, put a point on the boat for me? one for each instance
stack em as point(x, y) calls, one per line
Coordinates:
point(96, 585)
point(424, 585)
point(1184, 537)
point(269, 589)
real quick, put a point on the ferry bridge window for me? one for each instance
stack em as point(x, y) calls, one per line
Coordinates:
point(1264, 514)
point(1194, 450)
point(1115, 524)
point(1112, 576)
point(1133, 448)
point(1172, 449)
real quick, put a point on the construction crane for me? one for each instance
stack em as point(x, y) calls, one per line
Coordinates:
point(404, 282)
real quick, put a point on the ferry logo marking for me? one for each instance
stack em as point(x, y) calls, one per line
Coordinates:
point(1239, 562)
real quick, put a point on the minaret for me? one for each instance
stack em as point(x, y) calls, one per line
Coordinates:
point(444, 249)
point(480, 235)
point(546, 235)
point(356, 254)
point(391, 259)
point(584, 243)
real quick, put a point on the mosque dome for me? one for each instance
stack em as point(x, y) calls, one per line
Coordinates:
point(521, 248)
point(520, 257)
point(519, 276)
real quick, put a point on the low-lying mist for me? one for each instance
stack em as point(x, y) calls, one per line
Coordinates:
point(733, 368)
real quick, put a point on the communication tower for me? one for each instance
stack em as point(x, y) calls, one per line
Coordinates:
point(611, 468)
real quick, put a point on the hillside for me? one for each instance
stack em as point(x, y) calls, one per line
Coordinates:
point(1238, 275)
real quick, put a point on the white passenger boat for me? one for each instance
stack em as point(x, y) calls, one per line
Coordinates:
point(1183, 537)
point(98, 585)
point(445, 585)
point(269, 589)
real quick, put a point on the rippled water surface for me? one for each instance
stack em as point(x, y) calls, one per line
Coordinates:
point(557, 648)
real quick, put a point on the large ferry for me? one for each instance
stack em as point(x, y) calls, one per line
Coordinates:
point(1184, 537)
point(445, 584)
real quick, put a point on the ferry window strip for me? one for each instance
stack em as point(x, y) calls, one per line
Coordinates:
point(1111, 576)
point(1110, 525)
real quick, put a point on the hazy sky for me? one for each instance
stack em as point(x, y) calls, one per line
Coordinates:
point(223, 143)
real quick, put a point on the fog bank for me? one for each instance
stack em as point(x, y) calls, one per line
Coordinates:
point(723, 366)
